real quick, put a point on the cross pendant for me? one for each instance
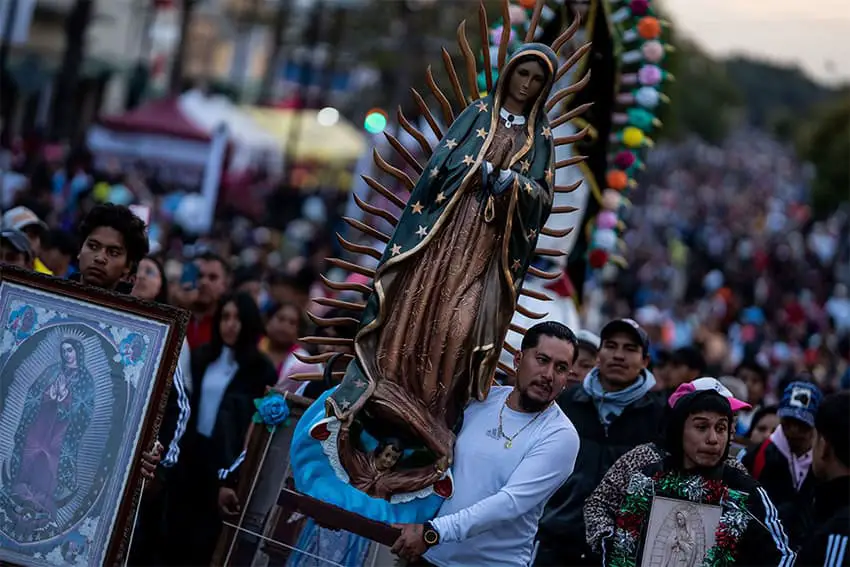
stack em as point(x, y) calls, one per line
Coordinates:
point(508, 444)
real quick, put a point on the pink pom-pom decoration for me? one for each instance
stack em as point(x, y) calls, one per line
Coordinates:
point(606, 220)
point(624, 159)
point(611, 200)
point(517, 14)
point(649, 75)
point(639, 7)
point(652, 51)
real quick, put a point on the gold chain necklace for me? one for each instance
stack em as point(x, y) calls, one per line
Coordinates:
point(510, 439)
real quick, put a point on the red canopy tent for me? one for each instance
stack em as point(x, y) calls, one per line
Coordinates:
point(161, 117)
point(155, 138)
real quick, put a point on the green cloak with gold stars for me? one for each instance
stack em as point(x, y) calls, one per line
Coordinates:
point(455, 163)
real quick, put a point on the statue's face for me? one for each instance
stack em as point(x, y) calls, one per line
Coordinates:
point(69, 355)
point(387, 458)
point(526, 81)
point(680, 519)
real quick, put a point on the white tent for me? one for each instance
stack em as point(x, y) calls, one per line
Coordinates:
point(251, 144)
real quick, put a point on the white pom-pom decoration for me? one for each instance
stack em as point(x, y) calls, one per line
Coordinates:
point(606, 239)
point(647, 97)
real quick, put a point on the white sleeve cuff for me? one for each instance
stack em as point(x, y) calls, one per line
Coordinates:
point(504, 174)
point(443, 527)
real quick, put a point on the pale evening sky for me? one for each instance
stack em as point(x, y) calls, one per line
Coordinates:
point(812, 33)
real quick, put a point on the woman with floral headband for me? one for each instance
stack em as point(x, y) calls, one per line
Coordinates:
point(691, 466)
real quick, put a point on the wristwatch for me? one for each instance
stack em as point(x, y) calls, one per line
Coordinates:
point(430, 535)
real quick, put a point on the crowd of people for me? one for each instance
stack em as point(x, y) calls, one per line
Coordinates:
point(719, 356)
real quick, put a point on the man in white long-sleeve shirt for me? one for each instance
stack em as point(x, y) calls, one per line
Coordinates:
point(514, 450)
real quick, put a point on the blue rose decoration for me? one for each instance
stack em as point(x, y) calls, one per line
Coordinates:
point(272, 410)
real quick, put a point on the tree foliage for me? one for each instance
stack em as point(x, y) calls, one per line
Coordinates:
point(704, 101)
point(825, 142)
point(771, 90)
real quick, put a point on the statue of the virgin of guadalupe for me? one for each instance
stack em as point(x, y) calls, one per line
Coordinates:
point(448, 281)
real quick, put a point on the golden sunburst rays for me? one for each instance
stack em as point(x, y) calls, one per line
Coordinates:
point(448, 107)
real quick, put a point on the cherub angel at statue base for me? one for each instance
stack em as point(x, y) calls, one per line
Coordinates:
point(443, 295)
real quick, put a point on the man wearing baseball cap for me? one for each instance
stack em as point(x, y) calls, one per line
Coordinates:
point(24, 220)
point(15, 249)
point(782, 463)
point(613, 411)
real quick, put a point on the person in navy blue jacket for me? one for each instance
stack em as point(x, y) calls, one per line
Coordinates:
point(826, 543)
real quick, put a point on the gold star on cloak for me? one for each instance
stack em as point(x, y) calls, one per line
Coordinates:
point(482, 106)
point(440, 197)
point(516, 265)
point(360, 384)
point(532, 234)
point(451, 143)
point(345, 404)
point(422, 232)
point(468, 160)
point(547, 132)
point(396, 249)
point(549, 176)
point(434, 172)
point(481, 133)
point(524, 165)
point(528, 188)
point(417, 208)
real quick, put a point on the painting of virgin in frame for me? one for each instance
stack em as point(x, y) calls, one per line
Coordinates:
point(84, 379)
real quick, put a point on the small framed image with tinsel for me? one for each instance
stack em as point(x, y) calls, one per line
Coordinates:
point(679, 532)
point(84, 379)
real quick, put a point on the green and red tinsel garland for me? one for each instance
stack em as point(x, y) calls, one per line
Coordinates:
point(633, 517)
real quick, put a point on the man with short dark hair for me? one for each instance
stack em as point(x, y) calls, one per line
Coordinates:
point(827, 541)
point(687, 365)
point(15, 249)
point(114, 241)
point(213, 281)
point(613, 411)
point(514, 449)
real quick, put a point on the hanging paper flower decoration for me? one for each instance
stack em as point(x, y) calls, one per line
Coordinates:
point(637, 36)
point(597, 258)
point(617, 179)
point(632, 137)
point(647, 97)
point(641, 119)
point(639, 7)
point(605, 239)
point(611, 200)
point(649, 28)
point(625, 159)
point(650, 75)
point(652, 51)
point(607, 220)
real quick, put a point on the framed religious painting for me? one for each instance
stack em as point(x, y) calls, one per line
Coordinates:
point(679, 532)
point(84, 379)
